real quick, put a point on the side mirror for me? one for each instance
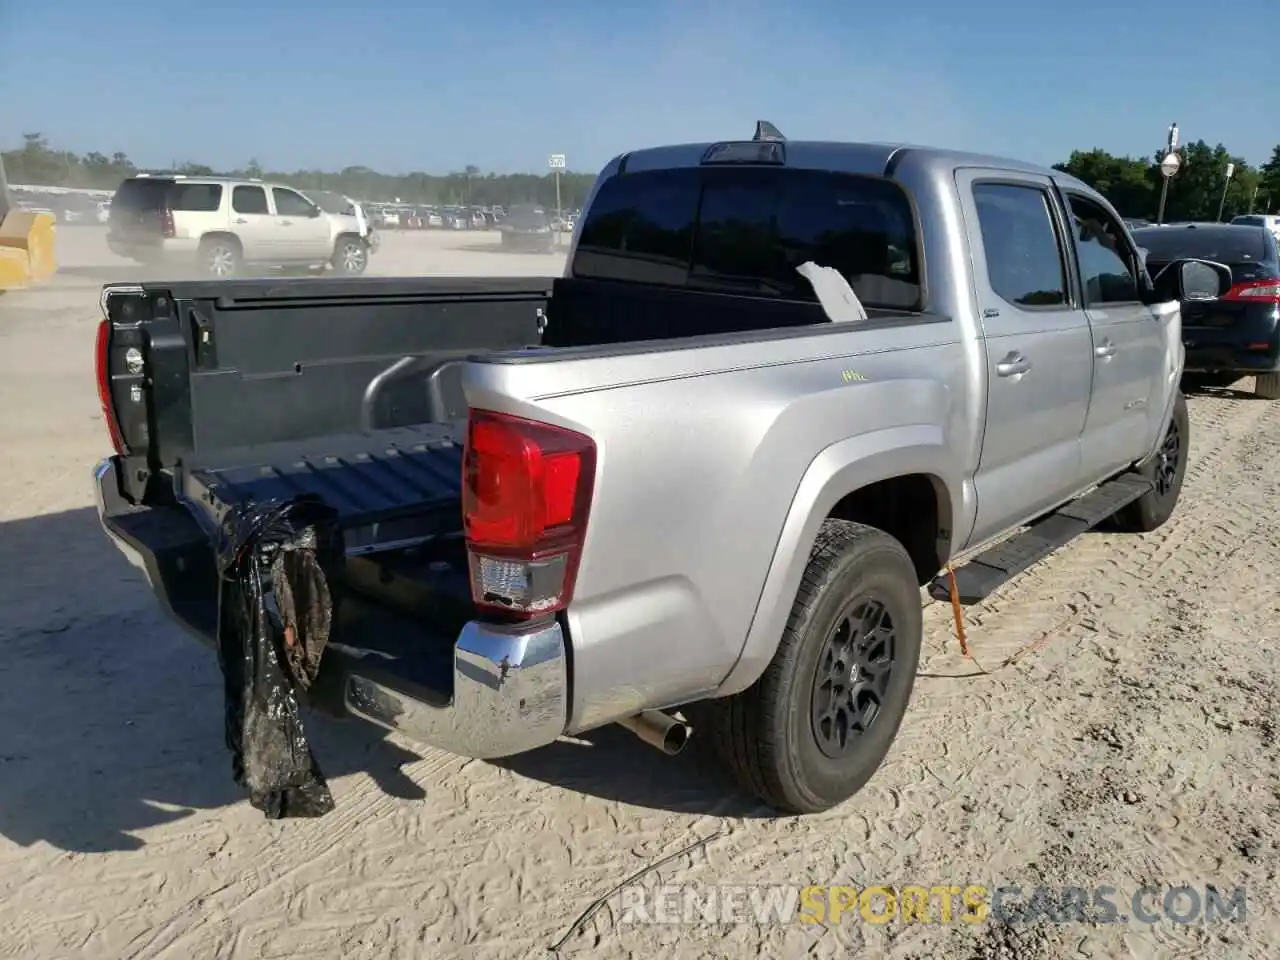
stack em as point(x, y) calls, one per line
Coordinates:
point(1191, 279)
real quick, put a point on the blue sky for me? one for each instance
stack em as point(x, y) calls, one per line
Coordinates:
point(500, 84)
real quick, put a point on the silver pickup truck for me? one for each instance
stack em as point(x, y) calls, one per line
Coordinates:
point(672, 480)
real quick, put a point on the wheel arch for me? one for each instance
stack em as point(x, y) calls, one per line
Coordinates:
point(897, 480)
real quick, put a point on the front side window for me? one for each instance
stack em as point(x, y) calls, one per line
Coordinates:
point(1108, 269)
point(1023, 253)
point(290, 204)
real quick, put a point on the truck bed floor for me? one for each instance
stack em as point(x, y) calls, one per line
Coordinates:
point(391, 488)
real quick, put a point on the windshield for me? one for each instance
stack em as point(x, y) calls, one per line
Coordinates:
point(1227, 245)
point(527, 217)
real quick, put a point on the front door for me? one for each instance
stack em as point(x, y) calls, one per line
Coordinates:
point(1128, 346)
point(1038, 349)
point(302, 233)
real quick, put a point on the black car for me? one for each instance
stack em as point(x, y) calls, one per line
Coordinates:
point(528, 228)
point(1237, 334)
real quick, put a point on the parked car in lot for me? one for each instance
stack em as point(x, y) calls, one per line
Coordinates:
point(779, 387)
point(1269, 222)
point(1237, 334)
point(222, 225)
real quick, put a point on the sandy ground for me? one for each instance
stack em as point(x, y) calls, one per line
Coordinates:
point(1133, 744)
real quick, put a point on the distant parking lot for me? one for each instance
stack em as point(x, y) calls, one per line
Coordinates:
point(83, 255)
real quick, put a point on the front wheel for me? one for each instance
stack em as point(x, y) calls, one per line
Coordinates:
point(1165, 471)
point(818, 723)
point(350, 256)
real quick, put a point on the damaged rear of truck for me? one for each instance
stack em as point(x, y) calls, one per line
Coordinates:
point(665, 479)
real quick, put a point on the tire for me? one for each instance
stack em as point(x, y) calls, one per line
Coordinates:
point(221, 257)
point(1166, 470)
point(769, 735)
point(1267, 386)
point(350, 256)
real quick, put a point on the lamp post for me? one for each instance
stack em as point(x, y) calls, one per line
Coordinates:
point(1169, 166)
point(1222, 202)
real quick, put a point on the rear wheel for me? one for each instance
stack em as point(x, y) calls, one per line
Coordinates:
point(1165, 471)
point(220, 256)
point(350, 256)
point(818, 723)
point(1267, 386)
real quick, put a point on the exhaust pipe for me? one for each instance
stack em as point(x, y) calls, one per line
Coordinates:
point(659, 730)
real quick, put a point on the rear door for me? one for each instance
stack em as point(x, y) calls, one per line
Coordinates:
point(252, 221)
point(1038, 349)
point(1128, 344)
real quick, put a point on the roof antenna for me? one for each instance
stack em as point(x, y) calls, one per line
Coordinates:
point(767, 131)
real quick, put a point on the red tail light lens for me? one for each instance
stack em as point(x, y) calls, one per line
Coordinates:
point(102, 369)
point(526, 494)
point(166, 223)
point(1255, 291)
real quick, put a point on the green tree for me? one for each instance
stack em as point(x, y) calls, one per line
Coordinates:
point(1269, 185)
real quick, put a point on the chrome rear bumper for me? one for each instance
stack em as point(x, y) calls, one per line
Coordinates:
point(510, 683)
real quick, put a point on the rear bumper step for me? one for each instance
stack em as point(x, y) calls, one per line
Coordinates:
point(500, 690)
point(979, 578)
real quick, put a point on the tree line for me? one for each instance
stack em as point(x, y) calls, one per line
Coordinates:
point(1132, 184)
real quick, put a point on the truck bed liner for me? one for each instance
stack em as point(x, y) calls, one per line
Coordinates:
point(391, 488)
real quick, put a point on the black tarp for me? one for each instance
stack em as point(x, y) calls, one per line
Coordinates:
point(276, 561)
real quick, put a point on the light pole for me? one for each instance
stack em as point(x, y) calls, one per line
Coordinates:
point(1222, 202)
point(1169, 166)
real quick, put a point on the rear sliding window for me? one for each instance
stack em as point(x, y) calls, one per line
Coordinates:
point(745, 230)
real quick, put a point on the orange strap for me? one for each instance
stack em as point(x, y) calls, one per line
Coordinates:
point(956, 612)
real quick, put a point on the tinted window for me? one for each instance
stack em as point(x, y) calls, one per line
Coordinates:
point(141, 194)
point(196, 197)
point(1247, 221)
point(290, 204)
point(753, 228)
point(1107, 268)
point(1020, 240)
point(249, 200)
point(640, 228)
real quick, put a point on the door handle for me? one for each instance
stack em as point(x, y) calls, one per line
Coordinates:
point(241, 220)
point(286, 223)
point(1105, 350)
point(1013, 364)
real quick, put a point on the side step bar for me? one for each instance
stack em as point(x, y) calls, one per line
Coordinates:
point(979, 578)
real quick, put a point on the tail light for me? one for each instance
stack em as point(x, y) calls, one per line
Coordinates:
point(526, 494)
point(102, 369)
point(1255, 291)
point(166, 223)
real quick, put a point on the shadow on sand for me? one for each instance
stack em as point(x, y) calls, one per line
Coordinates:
point(111, 719)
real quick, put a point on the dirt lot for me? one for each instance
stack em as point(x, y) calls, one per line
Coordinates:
point(1133, 744)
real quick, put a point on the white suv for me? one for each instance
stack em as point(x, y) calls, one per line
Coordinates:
point(221, 225)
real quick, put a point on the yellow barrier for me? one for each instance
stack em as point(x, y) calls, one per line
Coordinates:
point(26, 249)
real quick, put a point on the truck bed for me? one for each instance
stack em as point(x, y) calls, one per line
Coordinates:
point(392, 488)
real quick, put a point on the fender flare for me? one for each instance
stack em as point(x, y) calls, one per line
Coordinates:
point(840, 469)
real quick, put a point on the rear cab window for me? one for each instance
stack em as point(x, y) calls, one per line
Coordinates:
point(745, 230)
